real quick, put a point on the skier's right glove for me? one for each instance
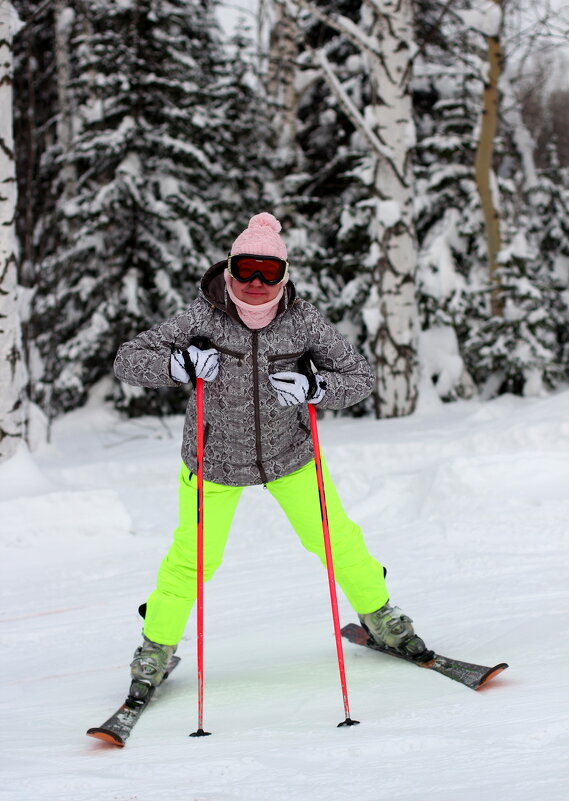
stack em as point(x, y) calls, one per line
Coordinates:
point(187, 365)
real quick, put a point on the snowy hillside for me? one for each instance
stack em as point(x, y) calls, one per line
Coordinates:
point(467, 505)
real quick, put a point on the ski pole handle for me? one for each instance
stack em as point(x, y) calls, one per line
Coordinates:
point(306, 368)
point(202, 343)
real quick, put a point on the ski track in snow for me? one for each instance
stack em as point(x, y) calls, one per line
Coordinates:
point(466, 504)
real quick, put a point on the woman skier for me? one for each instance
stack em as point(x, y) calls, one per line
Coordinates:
point(256, 432)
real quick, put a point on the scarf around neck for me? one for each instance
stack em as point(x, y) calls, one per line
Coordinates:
point(254, 316)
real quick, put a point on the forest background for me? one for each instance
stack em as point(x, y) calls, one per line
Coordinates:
point(416, 153)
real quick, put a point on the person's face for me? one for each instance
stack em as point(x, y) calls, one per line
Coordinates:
point(255, 292)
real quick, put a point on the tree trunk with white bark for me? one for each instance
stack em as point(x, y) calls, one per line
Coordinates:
point(12, 371)
point(391, 310)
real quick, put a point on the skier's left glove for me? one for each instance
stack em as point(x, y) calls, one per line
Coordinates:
point(187, 365)
point(293, 388)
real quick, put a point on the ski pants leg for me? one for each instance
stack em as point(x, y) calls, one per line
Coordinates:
point(169, 606)
point(360, 576)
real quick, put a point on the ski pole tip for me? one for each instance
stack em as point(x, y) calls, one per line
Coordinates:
point(200, 733)
point(348, 722)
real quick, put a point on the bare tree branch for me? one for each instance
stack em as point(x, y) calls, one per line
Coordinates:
point(342, 25)
point(35, 14)
point(352, 112)
point(430, 33)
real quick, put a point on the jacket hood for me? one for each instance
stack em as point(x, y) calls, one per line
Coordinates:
point(213, 289)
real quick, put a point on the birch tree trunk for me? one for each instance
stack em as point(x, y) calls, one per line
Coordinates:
point(391, 310)
point(485, 179)
point(12, 371)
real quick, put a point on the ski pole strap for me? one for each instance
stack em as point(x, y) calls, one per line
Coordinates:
point(306, 367)
point(189, 367)
point(203, 343)
point(200, 342)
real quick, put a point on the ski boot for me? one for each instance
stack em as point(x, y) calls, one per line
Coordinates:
point(391, 629)
point(148, 667)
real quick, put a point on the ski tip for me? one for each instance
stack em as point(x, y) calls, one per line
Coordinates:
point(492, 673)
point(106, 736)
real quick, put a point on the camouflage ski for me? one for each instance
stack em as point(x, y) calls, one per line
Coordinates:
point(116, 730)
point(467, 673)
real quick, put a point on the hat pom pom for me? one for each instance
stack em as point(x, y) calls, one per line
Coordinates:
point(265, 220)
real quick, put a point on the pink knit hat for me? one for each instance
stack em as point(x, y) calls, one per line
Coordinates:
point(261, 238)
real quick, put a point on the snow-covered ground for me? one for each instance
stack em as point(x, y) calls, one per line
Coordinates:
point(468, 506)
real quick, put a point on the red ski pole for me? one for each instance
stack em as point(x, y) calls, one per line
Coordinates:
point(305, 363)
point(202, 344)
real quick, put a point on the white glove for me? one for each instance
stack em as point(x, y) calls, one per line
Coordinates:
point(293, 388)
point(205, 364)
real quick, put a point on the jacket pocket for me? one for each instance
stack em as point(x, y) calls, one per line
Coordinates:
point(285, 357)
point(236, 354)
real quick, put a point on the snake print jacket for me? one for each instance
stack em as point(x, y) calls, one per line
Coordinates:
point(249, 437)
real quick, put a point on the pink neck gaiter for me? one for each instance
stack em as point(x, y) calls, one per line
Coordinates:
point(254, 317)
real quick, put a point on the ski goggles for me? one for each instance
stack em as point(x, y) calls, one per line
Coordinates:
point(246, 266)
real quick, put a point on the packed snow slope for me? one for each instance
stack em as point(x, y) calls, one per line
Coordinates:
point(466, 504)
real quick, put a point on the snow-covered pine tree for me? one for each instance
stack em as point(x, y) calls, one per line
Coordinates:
point(548, 231)
point(525, 349)
point(150, 155)
point(35, 116)
point(452, 275)
point(239, 114)
point(462, 339)
point(322, 182)
point(520, 346)
point(535, 117)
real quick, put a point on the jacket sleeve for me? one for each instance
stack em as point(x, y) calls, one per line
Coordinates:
point(349, 378)
point(145, 360)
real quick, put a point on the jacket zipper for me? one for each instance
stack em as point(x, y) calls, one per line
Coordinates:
point(257, 408)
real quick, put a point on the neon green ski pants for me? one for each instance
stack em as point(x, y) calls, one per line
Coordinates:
point(360, 576)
